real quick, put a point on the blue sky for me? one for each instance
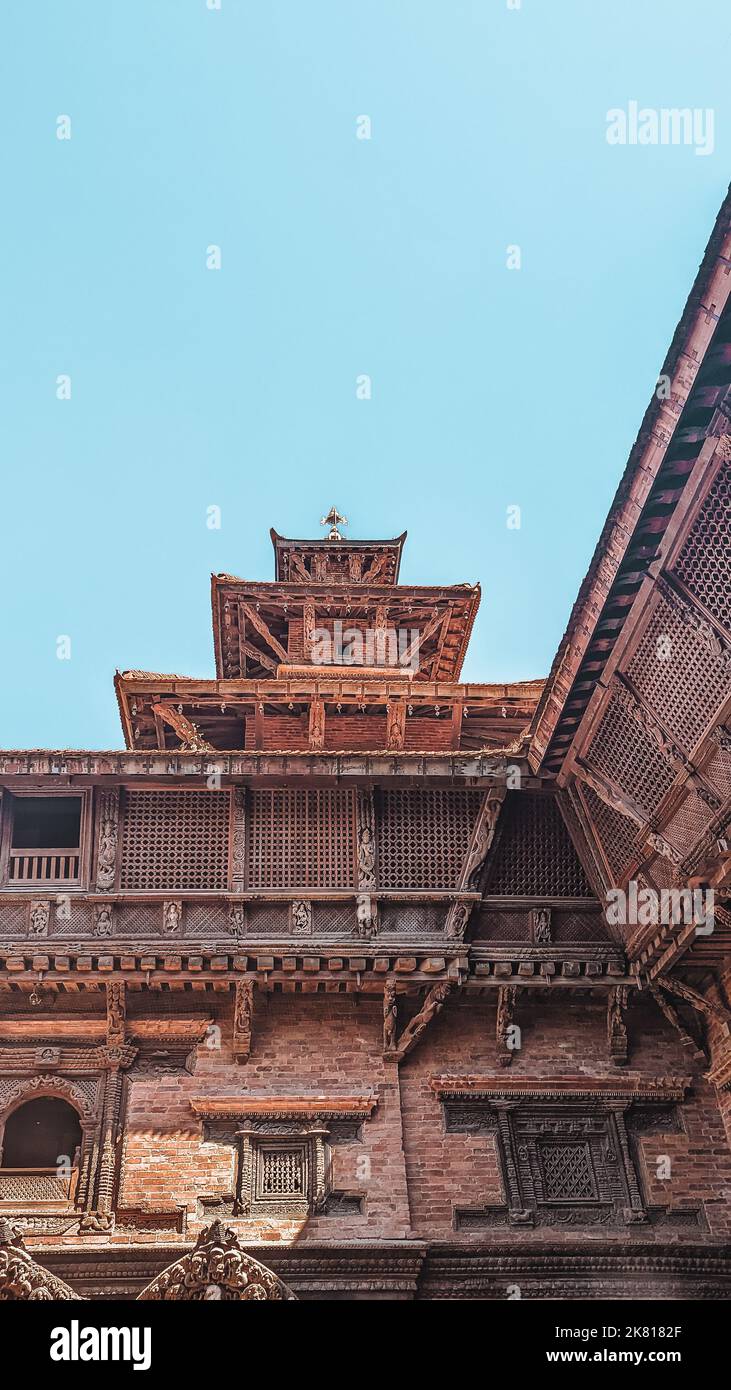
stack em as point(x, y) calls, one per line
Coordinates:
point(236, 388)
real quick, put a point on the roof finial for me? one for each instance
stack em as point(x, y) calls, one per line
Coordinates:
point(333, 520)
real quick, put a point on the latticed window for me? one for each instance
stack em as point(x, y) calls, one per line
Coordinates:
point(302, 837)
point(175, 840)
point(704, 563)
point(534, 855)
point(567, 1173)
point(424, 836)
point(282, 1172)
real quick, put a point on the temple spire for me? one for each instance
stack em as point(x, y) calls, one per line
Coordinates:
point(333, 520)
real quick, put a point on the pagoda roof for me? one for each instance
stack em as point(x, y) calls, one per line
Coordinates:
point(270, 608)
point(384, 554)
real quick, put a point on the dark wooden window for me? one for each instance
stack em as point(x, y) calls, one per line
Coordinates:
point(44, 840)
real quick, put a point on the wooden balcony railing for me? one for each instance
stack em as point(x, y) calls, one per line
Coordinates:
point(44, 866)
point(37, 1185)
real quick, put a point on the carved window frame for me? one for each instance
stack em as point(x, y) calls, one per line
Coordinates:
point(50, 1086)
point(524, 1124)
point(256, 1139)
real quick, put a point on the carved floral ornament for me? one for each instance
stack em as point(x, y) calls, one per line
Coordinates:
point(21, 1278)
point(216, 1268)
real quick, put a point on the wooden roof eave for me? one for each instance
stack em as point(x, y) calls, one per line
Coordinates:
point(120, 690)
point(645, 460)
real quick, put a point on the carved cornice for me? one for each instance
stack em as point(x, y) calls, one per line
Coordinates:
point(171, 766)
point(485, 1089)
point(283, 1107)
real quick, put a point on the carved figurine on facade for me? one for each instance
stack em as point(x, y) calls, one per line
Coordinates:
point(108, 832)
point(541, 924)
point(301, 915)
point(172, 917)
point(39, 917)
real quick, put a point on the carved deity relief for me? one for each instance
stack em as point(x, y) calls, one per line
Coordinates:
point(457, 919)
point(243, 1019)
point(616, 1026)
point(39, 918)
point(541, 924)
point(366, 916)
point(396, 725)
point(108, 832)
point(301, 917)
point(218, 1269)
point(317, 725)
point(308, 627)
point(366, 841)
point(482, 837)
point(116, 1012)
point(172, 916)
point(237, 918)
point(390, 1017)
point(103, 919)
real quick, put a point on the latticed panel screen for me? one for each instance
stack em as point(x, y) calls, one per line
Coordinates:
point(175, 840)
point(682, 681)
point(534, 855)
point(424, 836)
point(282, 1173)
point(302, 837)
point(33, 1187)
point(625, 753)
point(616, 833)
point(704, 563)
point(567, 1173)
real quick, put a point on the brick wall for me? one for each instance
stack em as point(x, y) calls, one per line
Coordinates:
point(330, 1046)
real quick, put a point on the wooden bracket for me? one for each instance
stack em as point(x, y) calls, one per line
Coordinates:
point(243, 1019)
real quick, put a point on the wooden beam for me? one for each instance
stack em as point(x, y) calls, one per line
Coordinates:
point(189, 734)
point(258, 622)
point(415, 1029)
point(482, 836)
point(697, 1001)
point(261, 657)
point(674, 1019)
point(418, 642)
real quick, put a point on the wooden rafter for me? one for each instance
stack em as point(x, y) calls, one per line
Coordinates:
point(264, 631)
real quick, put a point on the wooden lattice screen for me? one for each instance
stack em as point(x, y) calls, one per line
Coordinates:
point(704, 563)
point(534, 854)
point(301, 838)
point(616, 833)
point(423, 836)
point(175, 840)
point(624, 752)
point(682, 681)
